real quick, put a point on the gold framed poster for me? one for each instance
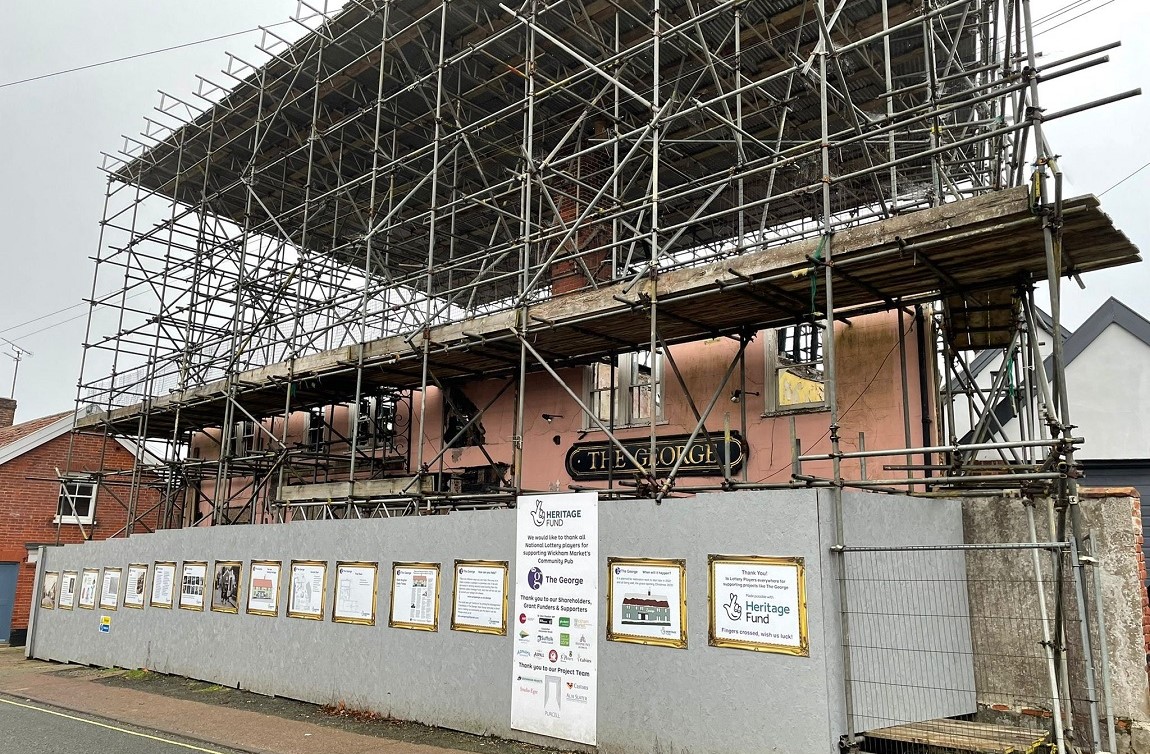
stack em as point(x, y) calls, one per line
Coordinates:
point(479, 596)
point(110, 589)
point(226, 586)
point(758, 603)
point(307, 588)
point(264, 587)
point(69, 582)
point(135, 585)
point(89, 580)
point(163, 584)
point(414, 596)
point(49, 590)
point(193, 582)
point(355, 588)
point(647, 601)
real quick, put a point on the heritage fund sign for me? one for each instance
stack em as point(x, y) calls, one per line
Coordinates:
point(556, 617)
point(705, 457)
point(758, 603)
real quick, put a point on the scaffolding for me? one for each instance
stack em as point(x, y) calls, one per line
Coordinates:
point(415, 194)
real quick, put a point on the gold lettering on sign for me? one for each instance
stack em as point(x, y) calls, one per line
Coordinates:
point(702, 457)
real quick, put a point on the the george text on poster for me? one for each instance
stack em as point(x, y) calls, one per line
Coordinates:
point(555, 620)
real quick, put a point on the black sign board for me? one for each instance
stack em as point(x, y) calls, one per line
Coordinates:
point(599, 460)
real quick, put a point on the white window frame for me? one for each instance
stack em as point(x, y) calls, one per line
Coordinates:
point(245, 438)
point(773, 364)
point(61, 518)
point(625, 385)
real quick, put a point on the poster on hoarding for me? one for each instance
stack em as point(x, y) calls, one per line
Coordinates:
point(88, 582)
point(307, 588)
point(110, 589)
point(264, 587)
point(226, 586)
point(758, 603)
point(414, 596)
point(355, 593)
point(647, 601)
point(134, 585)
point(163, 584)
point(69, 582)
point(195, 578)
point(556, 626)
point(479, 598)
point(49, 590)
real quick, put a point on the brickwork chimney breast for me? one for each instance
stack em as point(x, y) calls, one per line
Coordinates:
point(7, 412)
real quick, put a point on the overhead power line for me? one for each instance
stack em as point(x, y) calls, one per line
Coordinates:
point(1073, 18)
point(52, 326)
point(34, 320)
point(1059, 12)
point(10, 328)
point(139, 55)
point(1116, 185)
point(1037, 22)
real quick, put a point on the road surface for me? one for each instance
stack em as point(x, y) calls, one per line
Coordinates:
point(32, 727)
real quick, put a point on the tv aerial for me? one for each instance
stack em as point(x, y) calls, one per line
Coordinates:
point(18, 353)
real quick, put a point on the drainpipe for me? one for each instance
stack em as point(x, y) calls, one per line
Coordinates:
point(923, 384)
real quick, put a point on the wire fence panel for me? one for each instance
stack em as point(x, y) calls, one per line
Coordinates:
point(909, 636)
point(965, 647)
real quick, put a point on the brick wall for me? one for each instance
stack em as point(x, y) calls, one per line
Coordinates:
point(29, 494)
point(1142, 575)
point(7, 412)
point(588, 250)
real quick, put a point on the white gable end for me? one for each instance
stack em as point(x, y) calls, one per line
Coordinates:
point(1109, 386)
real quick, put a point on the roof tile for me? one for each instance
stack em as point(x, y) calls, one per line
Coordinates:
point(9, 435)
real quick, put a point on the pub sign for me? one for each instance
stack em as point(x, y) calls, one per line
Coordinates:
point(705, 457)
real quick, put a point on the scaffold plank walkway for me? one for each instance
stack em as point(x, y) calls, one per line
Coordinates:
point(985, 243)
point(945, 736)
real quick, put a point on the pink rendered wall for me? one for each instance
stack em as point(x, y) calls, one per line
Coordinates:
point(206, 445)
point(870, 400)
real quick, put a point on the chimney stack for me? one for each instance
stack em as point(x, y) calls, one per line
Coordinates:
point(7, 412)
point(587, 258)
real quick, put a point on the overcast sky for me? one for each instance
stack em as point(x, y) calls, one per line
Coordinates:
point(53, 130)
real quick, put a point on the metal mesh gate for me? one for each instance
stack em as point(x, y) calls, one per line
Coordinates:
point(968, 644)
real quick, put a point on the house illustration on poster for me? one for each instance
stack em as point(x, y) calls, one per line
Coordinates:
point(647, 609)
point(262, 589)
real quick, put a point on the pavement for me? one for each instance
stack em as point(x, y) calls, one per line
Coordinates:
point(64, 702)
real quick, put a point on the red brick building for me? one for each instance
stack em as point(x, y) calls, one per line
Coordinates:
point(37, 509)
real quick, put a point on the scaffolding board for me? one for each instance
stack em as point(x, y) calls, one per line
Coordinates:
point(993, 242)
